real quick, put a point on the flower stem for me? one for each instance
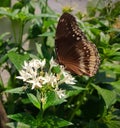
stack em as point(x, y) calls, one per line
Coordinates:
point(20, 33)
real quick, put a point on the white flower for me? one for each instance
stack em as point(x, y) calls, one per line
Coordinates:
point(52, 63)
point(27, 73)
point(29, 69)
point(30, 72)
point(49, 78)
point(33, 73)
point(24, 75)
point(25, 64)
point(35, 82)
point(37, 63)
point(68, 79)
point(60, 93)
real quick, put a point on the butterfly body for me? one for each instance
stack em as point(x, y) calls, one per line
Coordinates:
point(73, 50)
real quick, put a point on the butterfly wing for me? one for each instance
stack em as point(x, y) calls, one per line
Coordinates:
point(73, 49)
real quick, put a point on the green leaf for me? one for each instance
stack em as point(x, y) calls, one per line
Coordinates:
point(18, 125)
point(56, 69)
point(39, 49)
point(104, 77)
point(91, 8)
point(50, 42)
point(116, 46)
point(111, 69)
point(113, 124)
point(116, 57)
point(73, 90)
point(25, 101)
point(7, 12)
point(92, 124)
point(49, 23)
point(23, 118)
point(17, 59)
point(116, 85)
point(95, 31)
point(2, 36)
point(55, 122)
point(47, 34)
point(116, 9)
point(19, 90)
point(34, 100)
point(109, 96)
point(52, 100)
point(3, 59)
point(5, 3)
point(104, 38)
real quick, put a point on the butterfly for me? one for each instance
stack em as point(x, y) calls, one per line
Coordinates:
point(73, 50)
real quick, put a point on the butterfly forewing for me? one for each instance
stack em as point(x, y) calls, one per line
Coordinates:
point(73, 49)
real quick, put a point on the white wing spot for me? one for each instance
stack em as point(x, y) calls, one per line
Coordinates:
point(62, 20)
point(78, 38)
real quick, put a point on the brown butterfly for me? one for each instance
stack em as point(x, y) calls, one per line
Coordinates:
point(73, 50)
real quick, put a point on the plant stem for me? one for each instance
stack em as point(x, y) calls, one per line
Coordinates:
point(14, 33)
point(21, 27)
point(20, 34)
point(81, 100)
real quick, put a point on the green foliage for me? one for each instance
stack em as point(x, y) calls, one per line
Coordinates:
point(34, 100)
point(109, 96)
point(91, 102)
point(47, 122)
point(5, 3)
point(17, 59)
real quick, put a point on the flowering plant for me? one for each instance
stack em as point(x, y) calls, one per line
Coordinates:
point(35, 73)
point(46, 84)
point(44, 94)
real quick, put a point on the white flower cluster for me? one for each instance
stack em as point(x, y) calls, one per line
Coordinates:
point(34, 73)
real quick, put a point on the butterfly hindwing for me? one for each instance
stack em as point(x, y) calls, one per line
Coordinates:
point(73, 49)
